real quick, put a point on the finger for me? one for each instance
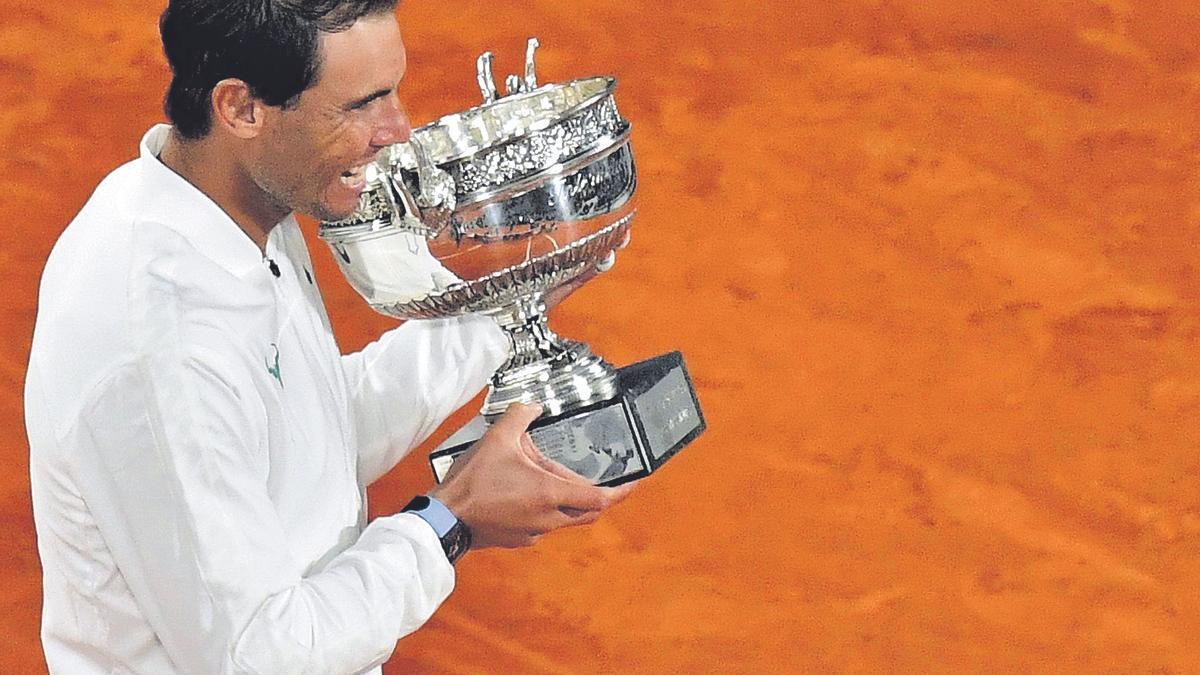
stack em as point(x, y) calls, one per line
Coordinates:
point(578, 497)
point(556, 519)
point(519, 541)
point(562, 472)
point(531, 452)
point(511, 539)
point(550, 519)
point(593, 498)
point(625, 241)
point(550, 466)
point(528, 538)
point(617, 494)
point(575, 517)
point(515, 420)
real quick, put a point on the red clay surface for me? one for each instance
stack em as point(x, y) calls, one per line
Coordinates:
point(934, 266)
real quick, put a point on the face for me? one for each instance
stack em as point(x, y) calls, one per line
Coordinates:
point(311, 157)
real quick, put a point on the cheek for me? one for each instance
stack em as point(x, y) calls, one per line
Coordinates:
point(353, 142)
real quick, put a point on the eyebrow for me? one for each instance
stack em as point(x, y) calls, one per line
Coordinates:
point(362, 102)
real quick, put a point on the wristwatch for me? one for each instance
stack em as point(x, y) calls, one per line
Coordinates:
point(453, 533)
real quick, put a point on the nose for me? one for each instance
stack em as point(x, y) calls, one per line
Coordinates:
point(392, 126)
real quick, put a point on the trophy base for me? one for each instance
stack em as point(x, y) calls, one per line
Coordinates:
point(573, 378)
point(655, 414)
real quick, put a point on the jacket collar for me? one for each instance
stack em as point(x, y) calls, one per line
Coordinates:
point(181, 206)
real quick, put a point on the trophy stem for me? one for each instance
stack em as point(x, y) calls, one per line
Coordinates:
point(558, 373)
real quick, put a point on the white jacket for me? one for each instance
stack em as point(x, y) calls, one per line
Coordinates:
point(199, 447)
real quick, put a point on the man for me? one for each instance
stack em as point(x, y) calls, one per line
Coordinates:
point(199, 448)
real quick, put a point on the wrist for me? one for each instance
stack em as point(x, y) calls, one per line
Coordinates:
point(452, 533)
point(450, 496)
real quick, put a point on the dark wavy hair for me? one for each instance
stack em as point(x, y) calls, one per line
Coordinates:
point(271, 45)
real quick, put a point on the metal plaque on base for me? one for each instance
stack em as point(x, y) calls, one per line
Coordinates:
point(611, 442)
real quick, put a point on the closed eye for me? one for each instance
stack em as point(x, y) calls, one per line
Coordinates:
point(359, 104)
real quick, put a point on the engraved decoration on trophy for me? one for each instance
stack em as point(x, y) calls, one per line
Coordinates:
point(487, 210)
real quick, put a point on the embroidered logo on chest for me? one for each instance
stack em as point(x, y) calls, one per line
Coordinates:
point(274, 369)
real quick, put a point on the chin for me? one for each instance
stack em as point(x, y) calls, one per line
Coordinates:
point(328, 212)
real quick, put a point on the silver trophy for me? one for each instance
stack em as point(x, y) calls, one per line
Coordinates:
point(488, 210)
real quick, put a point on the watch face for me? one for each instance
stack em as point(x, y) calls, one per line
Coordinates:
point(456, 542)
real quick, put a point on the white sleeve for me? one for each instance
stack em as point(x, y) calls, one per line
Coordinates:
point(168, 455)
point(406, 383)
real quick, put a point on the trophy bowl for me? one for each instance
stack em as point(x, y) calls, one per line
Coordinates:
point(488, 210)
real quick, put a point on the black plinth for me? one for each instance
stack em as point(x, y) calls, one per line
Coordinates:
point(614, 441)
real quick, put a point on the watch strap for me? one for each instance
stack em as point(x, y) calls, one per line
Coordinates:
point(453, 534)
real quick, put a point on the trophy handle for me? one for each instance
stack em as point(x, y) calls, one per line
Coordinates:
point(436, 187)
point(430, 210)
point(404, 211)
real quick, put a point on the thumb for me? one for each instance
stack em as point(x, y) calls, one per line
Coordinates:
point(516, 419)
point(548, 465)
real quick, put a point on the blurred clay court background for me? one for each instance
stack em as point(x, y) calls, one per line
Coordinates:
point(934, 266)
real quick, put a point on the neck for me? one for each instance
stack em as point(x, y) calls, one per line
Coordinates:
point(213, 171)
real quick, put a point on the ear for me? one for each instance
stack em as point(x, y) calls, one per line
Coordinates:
point(235, 109)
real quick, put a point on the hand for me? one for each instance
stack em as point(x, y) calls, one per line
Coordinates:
point(561, 293)
point(509, 494)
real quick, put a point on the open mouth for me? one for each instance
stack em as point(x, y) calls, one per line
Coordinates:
point(355, 178)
